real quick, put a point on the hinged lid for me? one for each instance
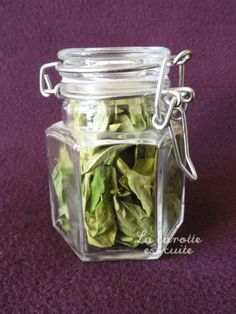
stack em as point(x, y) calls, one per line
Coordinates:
point(120, 72)
point(106, 72)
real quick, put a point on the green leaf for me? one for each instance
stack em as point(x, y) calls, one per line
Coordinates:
point(65, 161)
point(105, 156)
point(132, 222)
point(101, 220)
point(104, 240)
point(140, 185)
point(136, 115)
point(62, 175)
point(125, 123)
point(74, 110)
point(172, 206)
point(102, 117)
point(150, 151)
point(114, 127)
point(63, 211)
point(79, 120)
point(174, 174)
point(63, 223)
point(86, 187)
point(57, 177)
point(102, 185)
point(98, 206)
point(144, 166)
point(140, 152)
point(145, 159)
point(132, 242)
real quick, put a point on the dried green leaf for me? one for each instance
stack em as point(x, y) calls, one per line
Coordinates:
point(98, 205)
point(132, 222)
point(136, 116)
point(102, 117)
point(140, 185)
point(172, 206)
point(63, 223)
point(105, 156)
point(61, 175)
point(57, 178)
point(144, 166)
point(114, 127)
point(125, 123)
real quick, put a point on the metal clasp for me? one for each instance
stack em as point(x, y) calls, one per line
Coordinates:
point(191, 173)
point(45, 84)
point(172, 100)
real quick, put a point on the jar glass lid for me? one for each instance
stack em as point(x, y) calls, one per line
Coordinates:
point(110, 59)
point(110, 72)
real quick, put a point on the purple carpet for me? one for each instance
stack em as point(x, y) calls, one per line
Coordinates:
point(39, 272)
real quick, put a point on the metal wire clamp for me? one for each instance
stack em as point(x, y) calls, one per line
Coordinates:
point(168, 103)
point(45, 84)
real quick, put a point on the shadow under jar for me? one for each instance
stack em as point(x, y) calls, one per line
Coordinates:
point(116, 165)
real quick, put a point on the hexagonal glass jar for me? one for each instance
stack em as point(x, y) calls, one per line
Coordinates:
point(115, 187)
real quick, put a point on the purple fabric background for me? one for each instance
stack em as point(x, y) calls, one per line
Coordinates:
point(40, 273)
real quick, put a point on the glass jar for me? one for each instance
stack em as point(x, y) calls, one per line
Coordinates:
point(119, 157)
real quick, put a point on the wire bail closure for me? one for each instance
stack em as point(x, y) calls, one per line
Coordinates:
point(45, 84)
point(168, 103)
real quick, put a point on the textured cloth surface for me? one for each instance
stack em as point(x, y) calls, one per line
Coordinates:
point(39, 272)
